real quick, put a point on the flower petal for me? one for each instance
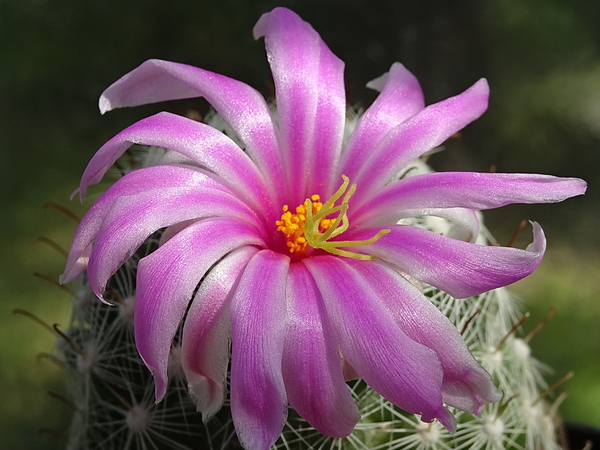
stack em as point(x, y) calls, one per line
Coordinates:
point(258, 400)
point(417, 135)
point(470, 190)
point(401, 97)
point(311, 102)
point(205, 145)
point(312, 368)
point(134, 182)
point(240, 105)
point(405, 372)
point(459, 268)
point(207, 333)
point(132, 219)
point(466, 384)
point(166, 280)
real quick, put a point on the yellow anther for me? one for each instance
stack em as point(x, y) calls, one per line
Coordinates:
point(292, 225)
point(310, 227)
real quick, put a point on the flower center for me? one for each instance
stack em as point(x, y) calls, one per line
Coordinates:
point(310, 227)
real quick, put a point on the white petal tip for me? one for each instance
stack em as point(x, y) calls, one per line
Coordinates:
point(448, 421)
point(104, 301)
point(73, 271)
point(104, 104)
point(74, 193)
point(378, 83)
point(579, 186)
point(160, 389)
point(482, 86)
point(208, 395)
point(260, 29)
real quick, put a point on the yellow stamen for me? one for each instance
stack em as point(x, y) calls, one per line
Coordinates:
point(310, 227)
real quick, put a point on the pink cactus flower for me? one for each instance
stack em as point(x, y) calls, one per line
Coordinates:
point(287, 271)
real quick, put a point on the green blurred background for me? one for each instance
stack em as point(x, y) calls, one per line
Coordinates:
point(542, 60)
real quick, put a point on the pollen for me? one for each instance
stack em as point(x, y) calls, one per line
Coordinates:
point(292, 224)
point(314, 223)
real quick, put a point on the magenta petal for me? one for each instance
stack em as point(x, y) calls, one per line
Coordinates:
point(311, 101)
point(241, 106)
point(166, 280)
point(418, 135)
point(203, 144)
point(258, 399)
point(405, 372)
point(312, 369)
point(134, 182)
point(466, 384)
point(207, 333)
point(132, 219)
point(470, 190)
point(400, 98)
point(459, 268)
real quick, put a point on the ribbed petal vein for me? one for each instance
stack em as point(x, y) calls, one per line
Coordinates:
point(132, 183)
point(205, 145)
point(469, 190)
point(239, 104)
point(258, 399)
point(132, 219)
point(459, 268)
point(207, 333)
point(405, 372)
point(312, 368)
point(418, 135)
point(167, 278)
point(466, 384)
point(310, 100)
point(401, 97)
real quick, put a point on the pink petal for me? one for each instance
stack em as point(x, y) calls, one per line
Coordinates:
point(166, 280)
point(134, 182)
point(258, 400)
point(312, 369)
point(459, 268)
point(311, 101)
point(418, 135)
point(207, 333)
point(205, 145)
point(470, 190)
point(466, 384)
point(132, 219)
point(405, 372)
point(401, 97)
point(240, 105)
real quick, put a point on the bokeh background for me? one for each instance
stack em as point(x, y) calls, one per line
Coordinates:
point(542, 60)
